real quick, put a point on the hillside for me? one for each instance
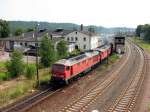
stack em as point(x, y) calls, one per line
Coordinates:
point(52, 26)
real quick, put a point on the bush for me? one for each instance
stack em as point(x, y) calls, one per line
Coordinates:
point(15, 66)
point(75, 52)
point(30, 71)
point(3, 76)
point(47, 52)
point(62, 49)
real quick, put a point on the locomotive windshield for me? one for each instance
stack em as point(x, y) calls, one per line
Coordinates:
point(59, 68)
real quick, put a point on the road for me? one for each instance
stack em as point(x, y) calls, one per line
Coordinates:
point(30, 59)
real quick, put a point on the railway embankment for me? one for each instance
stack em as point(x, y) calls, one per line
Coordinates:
point(15, 90)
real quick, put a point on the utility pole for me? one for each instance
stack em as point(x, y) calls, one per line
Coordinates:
point(0, 30)
point(37, 63)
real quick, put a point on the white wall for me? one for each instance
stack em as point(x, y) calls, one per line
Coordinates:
point(89, 43)
point(94, 42)
point(71, 47)
point(80, 40)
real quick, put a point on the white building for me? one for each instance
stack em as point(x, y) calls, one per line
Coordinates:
point(84, 40)
point(79, 39)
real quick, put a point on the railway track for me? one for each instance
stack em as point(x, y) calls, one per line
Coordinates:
point(29, 102)
point(82, 103)
point(127, 99)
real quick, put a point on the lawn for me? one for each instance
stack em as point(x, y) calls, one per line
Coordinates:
point(142, 44)
point(3, 76)
point(21, 88)
point(17, 90)
point(2, 64)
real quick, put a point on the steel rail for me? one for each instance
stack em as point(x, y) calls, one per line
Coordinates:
point(81, 103)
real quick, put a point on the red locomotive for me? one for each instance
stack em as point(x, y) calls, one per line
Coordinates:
point(65, 69)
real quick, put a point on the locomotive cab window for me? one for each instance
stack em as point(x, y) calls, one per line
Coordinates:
point(59, 68)
point(67, 68)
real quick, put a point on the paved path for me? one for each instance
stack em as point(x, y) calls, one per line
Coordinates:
point(5, 57)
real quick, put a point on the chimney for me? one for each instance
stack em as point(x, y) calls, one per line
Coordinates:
point(33, 35)
point(81, 27)
point(51, 36)
point(22, 34)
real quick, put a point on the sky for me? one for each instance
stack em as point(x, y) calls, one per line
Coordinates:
point(107, 13)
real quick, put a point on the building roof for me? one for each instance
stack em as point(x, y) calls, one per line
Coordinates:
point(77, 59)
point(103, 48)
point(30, 36)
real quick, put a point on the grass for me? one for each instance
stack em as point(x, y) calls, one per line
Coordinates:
point(21, 88)
point(112, 59)
point(44, 79)
point(2, 64)
point(3, 76)
point(142, 44)
point(149, 107)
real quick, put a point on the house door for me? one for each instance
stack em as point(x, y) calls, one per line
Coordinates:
point(76, 47)
point(11, 45)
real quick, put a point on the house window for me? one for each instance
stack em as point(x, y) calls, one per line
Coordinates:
point(36, 44)
point(68, 38)
point(76, 38)
point(26, 44)
point(71, 38)
point(76, 32)
point(84, 39)
point(20, 43)
point(84, 47)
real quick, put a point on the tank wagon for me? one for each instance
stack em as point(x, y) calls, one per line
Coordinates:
point(66, 69)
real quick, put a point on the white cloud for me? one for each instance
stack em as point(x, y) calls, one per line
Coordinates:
point(107, 13)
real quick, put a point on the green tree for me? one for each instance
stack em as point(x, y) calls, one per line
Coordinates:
point(146, 31)
point(47, 52)
point(62, 49)
point(18, 31)
point(15, 66)
point(91, 29)
point(139, 30)
point(29, 29)
point(4, 28)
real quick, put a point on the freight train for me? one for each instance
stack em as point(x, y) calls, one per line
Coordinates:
point(66, 69)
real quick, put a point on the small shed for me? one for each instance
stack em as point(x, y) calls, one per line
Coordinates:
point(119, 44)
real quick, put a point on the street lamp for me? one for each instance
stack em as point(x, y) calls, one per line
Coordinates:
point(37, 63)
